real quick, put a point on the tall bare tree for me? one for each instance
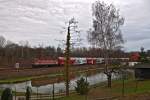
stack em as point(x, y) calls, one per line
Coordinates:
point(71, 28)
point(2, 41)
point(106, 33)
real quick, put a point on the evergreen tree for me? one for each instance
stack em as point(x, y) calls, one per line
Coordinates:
point(143, 56)
point(7, 94)
point(82, 86)
point(28, 93)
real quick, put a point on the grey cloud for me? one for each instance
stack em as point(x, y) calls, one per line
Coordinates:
point(40, 21)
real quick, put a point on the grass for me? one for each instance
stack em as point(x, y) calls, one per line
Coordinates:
point(73, 97)
point(1, 91)
point(22, 79)
point(132, 87)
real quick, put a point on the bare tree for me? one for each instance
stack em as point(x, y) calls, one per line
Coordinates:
point(23, 44)
point(71, 29)
point(2, 41)
point(106, 33)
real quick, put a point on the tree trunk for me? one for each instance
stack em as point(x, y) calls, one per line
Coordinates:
point(67, 63)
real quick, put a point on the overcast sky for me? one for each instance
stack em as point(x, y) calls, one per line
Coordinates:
point(40, 21)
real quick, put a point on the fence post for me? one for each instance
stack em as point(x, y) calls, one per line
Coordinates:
point(53, 92)
point(86, 87)
point(136, 86)
point(15, 92)
point(123, 83)
point(50, 95)
point(37, 93)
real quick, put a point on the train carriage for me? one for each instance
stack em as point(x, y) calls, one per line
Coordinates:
point(44, 62)
point(61, 61)
point(80, 61)
point(91, 61)
point(99, 60)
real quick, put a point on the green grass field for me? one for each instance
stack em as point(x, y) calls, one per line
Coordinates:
point(73, 97)
point(132, 87)
point(22, 79)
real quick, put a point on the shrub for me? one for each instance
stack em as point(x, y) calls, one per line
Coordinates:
point(28, 93)
point(82, 86)
point(7, 94)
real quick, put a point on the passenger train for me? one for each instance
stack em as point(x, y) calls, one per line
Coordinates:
point(73, 61)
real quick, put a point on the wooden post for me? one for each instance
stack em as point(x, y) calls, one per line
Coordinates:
point(136, 85)
point(50, 95)
point(86, 87)
point(37, 92)
point(123, 83)
point(15, 92)
point(53, 92)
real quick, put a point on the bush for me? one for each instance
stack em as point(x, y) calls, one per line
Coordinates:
point(7, 94)
point(28, 93)
point(82, 86)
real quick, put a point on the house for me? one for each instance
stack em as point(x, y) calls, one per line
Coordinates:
point(134, 57)
point(142, 71)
